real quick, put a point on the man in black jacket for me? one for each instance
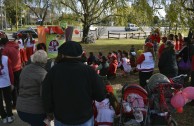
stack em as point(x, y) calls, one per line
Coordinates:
point(70, 88)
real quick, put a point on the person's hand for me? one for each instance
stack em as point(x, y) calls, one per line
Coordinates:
point(12, 87)
point(50, 116)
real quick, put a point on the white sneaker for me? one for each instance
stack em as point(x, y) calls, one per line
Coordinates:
point(10, 119)
point(4, 120)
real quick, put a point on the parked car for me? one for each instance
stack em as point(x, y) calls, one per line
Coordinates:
point(24, 33)
point(131, 27)
point(93, 28)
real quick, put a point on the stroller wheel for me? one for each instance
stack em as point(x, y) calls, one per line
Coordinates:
point(172, 123)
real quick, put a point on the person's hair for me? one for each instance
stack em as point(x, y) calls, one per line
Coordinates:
point(41, 46)
point(104, 59)
point(125, 54)
point(100, 53)
point(39, 56)
point(112, 99)
point(30, 38)
point(170, 36)
point(4, 40)
point(91, 54)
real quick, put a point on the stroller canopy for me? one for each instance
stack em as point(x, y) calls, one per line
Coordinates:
point(156, 79)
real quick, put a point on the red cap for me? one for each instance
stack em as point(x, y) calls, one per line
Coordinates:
point(149, 44)
point(19, 35)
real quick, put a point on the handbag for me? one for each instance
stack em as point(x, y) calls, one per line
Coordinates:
point(185, 66)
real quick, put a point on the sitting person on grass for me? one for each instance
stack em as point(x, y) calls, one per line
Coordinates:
point(103, 67)
point(112, 67)
point(125, 62)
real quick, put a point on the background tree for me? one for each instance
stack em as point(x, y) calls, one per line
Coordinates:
point(41, 7)
point(11, 8)
point(92, 11)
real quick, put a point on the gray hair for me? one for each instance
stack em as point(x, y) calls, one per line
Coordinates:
point(39, 56)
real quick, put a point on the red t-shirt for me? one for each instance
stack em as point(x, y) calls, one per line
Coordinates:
point(161, 48)
point(11, 50)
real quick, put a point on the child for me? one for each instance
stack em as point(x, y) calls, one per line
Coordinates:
point(145, 64)
point(112, 67)
point(99, 56)
point(30, 45)
point(107, 109)
point(125, 62)
point(22, 50)
point(103, 67)
point(6, 79)
point(94, 65)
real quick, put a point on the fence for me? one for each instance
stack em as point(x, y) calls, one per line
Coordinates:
point(133, 35)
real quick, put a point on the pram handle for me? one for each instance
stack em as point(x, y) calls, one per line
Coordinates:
point(173, 85)
point(180, 76)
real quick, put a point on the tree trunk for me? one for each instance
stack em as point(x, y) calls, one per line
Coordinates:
point(86, 29)
point(42, 23)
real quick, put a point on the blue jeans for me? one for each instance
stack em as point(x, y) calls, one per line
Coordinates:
point(90, 122)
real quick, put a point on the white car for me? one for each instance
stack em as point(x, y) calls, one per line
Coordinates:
point(131, 27)
point(93, 28)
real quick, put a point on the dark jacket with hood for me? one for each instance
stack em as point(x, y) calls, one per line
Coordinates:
point(69, 90)
point(167, 63)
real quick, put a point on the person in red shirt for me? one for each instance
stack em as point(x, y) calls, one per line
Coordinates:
point(162, 46)
point(112, 67)
point(11, 50)
point(176, 43)
point(23, 55)
point(180, 39)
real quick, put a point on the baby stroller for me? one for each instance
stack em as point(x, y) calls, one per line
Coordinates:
point(160, 91)
point(133, 106)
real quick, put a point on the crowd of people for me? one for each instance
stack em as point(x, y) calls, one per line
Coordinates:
point(73, 89)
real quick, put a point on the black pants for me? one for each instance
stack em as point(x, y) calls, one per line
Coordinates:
point(143, 76)
point(6, 94)
point(16, 87)
point(32, 119)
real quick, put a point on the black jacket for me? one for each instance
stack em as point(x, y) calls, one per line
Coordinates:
point(167, 63)
point(69, 89)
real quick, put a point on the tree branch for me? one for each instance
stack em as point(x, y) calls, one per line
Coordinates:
point(74, 10)
point(33, 10)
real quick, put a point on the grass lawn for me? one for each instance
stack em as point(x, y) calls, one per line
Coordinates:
point(105, 46)
point(109, 45)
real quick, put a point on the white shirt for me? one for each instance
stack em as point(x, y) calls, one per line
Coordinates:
point(106, 112)
point(28, 43)
point(148, 64)
point(126, 64)
point(5, 78)
point(20, 43)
